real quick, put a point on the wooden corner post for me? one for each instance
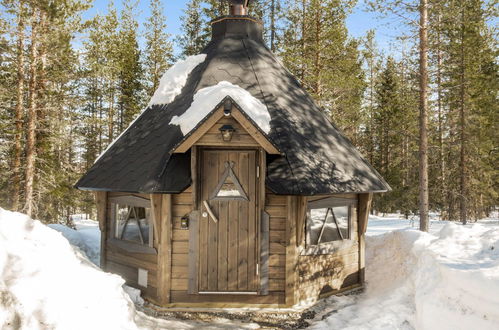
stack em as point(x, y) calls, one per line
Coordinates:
point(363, 217)
point(291, 252)
point(101, 202)
point(165, 250)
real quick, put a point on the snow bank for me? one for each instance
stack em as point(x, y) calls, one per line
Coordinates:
point(44, 283)
point(174, 79)
point(207, 98)
point(422, 281)
point(86, 237)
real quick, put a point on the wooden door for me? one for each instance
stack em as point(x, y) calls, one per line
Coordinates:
point(228, 239)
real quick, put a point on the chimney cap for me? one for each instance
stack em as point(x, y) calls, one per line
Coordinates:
point(239, 7)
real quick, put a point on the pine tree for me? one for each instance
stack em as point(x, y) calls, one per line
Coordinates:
point(192, 39)
point(319, 52)
point(131, 98)
point(159, 50)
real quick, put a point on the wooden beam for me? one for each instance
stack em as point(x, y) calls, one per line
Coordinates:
point(250, 128)
point(194, 225)
point(101, 202)
point(300, 222)
point(291, 252)
point(193, 252)
point(254, 132)
point(364, 207)
point(363, 216)
point(156, 212)
point(264, 253)
point(194, 177)
point(200, 131)
point(165, 250)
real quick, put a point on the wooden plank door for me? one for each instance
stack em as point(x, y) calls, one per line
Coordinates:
point(228, 233)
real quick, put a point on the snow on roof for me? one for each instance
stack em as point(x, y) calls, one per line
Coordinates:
point(170, 86)
point(174, 79)
point(206, 99)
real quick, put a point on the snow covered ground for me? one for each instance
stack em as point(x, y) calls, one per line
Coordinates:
point(447, 279)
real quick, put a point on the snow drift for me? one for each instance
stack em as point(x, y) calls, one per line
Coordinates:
point(45, 283)
point(417, 280)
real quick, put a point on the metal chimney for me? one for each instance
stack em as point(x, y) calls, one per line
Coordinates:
point(239, 7)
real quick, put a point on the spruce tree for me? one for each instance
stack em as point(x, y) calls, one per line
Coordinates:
point(192, 39)
point(159, 49)
point(130, 74)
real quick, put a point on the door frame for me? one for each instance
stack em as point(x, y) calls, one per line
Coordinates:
point(261, 221)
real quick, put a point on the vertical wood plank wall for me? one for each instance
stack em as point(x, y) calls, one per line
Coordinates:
point(276, 207)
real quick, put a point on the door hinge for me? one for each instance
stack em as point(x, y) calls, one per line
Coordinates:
point(257, 269)
point(258, 172)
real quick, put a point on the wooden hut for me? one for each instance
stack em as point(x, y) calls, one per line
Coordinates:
point(233, 188)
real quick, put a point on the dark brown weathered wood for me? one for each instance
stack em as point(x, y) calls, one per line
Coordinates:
point(156, 214)
point(364, 207)
point(363, 211)
point(131, 200)
point(291, 252)
point(165, 250)
point(129, 247)
point(223, 208)
point(207, 134)
point(229, 248)
point(101, 203)
point(193, 252)
point(264, 253)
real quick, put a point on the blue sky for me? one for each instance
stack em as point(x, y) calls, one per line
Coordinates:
point(358, 23)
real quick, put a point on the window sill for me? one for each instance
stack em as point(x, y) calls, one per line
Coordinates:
point(327, 248)
point(132, 247)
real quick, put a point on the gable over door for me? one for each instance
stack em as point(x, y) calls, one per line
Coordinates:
point(228, 231)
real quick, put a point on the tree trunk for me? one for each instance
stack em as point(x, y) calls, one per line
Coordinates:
point(423, 116)
point(16, 164)
point(272, 25)
point(32, 117)
point(441, 160)
point(462, 132)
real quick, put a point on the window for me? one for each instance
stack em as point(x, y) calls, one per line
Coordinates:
point(328, 223)
point(229, 187)
point(132, 224)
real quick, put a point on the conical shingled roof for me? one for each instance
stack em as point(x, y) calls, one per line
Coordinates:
point(317, 158)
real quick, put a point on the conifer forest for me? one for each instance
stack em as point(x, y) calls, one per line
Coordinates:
point(425, 114)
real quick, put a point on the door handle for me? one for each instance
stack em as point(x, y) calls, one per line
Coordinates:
point(210, 212)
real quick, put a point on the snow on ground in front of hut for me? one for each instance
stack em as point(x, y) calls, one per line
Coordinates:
point(45, 283)
point(447, 279)
point(170, 85)
point(206, 99)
